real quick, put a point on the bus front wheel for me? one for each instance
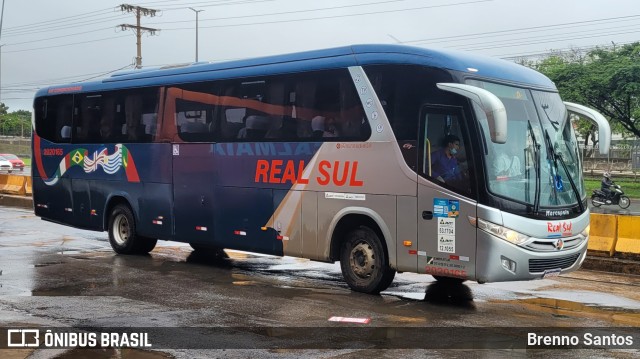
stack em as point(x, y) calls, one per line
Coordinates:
point(364, 262)
point(122, 233)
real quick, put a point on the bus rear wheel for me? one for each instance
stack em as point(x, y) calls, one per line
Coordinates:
point(122, 233)
point(364, 262)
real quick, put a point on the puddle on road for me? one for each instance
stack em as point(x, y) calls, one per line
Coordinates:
point(566, 308)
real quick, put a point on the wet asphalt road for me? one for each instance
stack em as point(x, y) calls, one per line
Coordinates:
point(56, 276)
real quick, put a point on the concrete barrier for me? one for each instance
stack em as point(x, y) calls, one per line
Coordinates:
point(11, 184)
point(4, 179)
point(603, 235)
point(628, 234)
point(16, 201)
point(28, 186)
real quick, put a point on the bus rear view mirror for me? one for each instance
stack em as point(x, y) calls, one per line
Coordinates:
point(604, 130)
point(490, 104)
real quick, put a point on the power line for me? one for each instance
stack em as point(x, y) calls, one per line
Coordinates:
point(71, 26)
point(523, 29)
point(340, 16)
point(222, 3)
point(509, 32)
point(560, 51)
point(106, 73)
point(535, 42)
point(288, 12)
point(41, 23)
point(57, 81)
point(69, 44)
point(56, 37)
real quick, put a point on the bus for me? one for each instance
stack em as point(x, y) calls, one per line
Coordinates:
point(385, 158)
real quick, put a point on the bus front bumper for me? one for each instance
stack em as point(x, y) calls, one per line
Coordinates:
point(499, 260)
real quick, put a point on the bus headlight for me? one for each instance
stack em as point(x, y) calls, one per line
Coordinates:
point(505, 233)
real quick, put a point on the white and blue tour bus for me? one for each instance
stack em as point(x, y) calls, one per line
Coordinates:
point(384, 158)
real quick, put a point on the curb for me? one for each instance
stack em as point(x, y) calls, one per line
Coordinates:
point(613, 265)
point(16, 201)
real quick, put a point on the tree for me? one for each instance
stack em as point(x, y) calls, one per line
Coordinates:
point(607, 80)
point(17, 123)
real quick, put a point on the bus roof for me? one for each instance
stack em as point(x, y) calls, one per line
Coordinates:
point(476, 65)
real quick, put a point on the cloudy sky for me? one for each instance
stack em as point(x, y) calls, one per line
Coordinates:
point(55, 42)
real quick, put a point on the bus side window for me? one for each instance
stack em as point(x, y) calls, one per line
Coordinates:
point(136, 115)
point(132, 114)
point(443, 157)
point(86, 119)
point(53, 118)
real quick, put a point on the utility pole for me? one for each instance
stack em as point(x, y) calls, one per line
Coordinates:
point(196, 11)
point(138, 29)
point(1, 17)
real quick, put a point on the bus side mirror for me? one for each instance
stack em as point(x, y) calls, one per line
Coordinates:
point(604, 130)
point(490, 104)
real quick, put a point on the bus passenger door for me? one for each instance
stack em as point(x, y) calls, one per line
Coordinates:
point(446, 237)
point(193, 185)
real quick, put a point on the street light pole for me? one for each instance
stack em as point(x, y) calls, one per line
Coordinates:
point(196, 11)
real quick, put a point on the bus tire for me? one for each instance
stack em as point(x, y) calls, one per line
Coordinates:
point(364, 262)
point(449, 280)
point(122, 233)
point(146, 244)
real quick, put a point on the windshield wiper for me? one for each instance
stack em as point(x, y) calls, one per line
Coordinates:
point(536, 166)
point(555, 157)
point(555, 124)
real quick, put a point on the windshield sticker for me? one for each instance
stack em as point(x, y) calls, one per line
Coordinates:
point(558, 182)
point(446, 208)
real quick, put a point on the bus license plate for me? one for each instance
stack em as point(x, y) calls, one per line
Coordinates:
point(551, 273)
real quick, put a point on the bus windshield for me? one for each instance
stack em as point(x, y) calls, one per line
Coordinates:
point(539, 163)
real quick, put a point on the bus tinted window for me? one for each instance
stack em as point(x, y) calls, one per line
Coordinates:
point(53, 118)
point(115, 116)
point(194, 111)
point(403, 91)
point(317, 106)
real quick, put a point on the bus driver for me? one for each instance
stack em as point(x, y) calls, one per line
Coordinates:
point(444, 164)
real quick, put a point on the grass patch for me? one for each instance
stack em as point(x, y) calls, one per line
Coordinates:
point(631, 189)
point(27, 161)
